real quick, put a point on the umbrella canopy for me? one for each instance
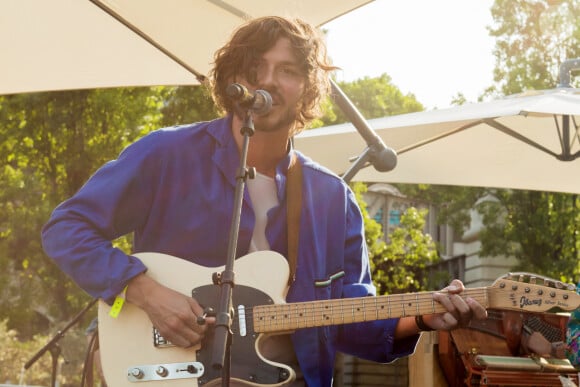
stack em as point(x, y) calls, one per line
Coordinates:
point(526, 141)
point(77, 44)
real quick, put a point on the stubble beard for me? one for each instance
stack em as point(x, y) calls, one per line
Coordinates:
point(273, 122)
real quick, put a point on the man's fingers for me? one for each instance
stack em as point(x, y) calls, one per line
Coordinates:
point(459, 310)
point(479, 312)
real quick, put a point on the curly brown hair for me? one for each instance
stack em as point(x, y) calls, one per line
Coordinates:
point(249, 42)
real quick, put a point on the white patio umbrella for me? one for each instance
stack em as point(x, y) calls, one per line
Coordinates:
point(77, 44)
point(526, 141)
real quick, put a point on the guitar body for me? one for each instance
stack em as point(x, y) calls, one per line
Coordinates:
point(132, 352)
point(128, 345)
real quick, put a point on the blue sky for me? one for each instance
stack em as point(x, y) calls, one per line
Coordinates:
point(433, 49)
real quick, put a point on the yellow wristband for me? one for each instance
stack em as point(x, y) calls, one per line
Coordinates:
point(118, 304)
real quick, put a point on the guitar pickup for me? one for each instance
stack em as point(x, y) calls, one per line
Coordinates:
point(146, 373)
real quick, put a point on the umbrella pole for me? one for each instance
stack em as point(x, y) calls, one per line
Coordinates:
point(565, 76)
point(566, 69)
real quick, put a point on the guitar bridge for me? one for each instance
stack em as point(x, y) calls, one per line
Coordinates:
point(160, 341)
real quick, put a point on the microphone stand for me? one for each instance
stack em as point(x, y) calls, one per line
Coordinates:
point(53, 347)
point(221, 358)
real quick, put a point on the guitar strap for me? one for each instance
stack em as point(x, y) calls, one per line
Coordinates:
point(87, 379)
point(293, 207)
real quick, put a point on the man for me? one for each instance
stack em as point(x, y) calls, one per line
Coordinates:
point(174, 189)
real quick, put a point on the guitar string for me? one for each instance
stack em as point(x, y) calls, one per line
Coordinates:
point(335, 311)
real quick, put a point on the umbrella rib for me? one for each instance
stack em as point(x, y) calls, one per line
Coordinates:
point(200, 77)
point(504, 129)
point(438, 137)
point(231, 9)
point(576, 137)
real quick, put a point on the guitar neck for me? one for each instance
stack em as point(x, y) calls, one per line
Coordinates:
point(289, 317)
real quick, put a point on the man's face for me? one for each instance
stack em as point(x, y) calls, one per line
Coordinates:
point(280, 74)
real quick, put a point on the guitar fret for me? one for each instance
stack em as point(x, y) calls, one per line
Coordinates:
point(284, 318)
point(381, 309)
point(299, 312)
point(417, 304)
point(364, 308)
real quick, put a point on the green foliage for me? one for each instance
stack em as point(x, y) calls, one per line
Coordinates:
point(187, 104)
point(453, 202)
point(533, 37)
point(401, 265)
point(51, 143)
point(373, 230)
point(373, 98)
point(15, 353)
point(540, 229)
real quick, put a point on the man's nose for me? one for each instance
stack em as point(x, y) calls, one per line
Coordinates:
point(267, 77)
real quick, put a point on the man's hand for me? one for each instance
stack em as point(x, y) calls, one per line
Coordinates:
point(172, 313)
point(459, 312)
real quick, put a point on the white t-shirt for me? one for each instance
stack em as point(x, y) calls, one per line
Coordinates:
point(263, 194)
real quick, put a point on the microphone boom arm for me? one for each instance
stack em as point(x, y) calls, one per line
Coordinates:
point(384, 159)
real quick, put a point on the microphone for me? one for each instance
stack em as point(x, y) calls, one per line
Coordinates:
point(260, 101)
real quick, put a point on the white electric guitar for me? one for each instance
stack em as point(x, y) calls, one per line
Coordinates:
point(133, 353)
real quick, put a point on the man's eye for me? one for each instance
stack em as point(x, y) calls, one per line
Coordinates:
point(290, 71)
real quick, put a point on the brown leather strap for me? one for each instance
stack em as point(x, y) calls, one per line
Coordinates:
point(88, 371)
point(293, 207)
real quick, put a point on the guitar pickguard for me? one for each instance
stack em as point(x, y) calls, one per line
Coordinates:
point(246, 364)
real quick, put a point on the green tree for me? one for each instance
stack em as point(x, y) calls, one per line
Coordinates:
point(373, 98)
point(51, 143)
point(403, 265)
point(399, 266)
point(538, 228)
point(533, 37)
point(187, 104)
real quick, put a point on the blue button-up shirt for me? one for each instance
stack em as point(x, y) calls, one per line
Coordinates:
point(174, 189)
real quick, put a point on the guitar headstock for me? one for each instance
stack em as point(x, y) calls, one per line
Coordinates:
point(532, 293)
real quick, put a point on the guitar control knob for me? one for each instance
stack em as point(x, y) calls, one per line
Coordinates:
point(136, 373)
point(162, 371)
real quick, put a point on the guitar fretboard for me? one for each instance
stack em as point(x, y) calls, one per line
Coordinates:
point(288, 317)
